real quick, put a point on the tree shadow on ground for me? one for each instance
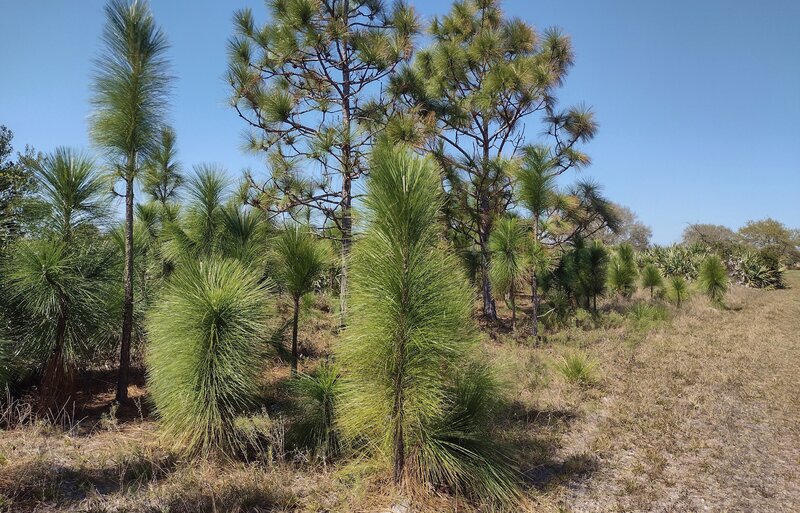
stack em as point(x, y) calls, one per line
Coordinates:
point(31, 484)
point(536, 437)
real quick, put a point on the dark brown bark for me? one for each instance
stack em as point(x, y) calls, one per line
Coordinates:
point(349, 167)
point(399, 453)
point(534, 286)
point(513, 293)
point(346, 246)
point(58, 379)
point(484, 227)
point(535, 306)
point(398, 408)
point(127, 307)
point(295, 318)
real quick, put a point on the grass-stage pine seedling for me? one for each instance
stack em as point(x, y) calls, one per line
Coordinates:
point(205, 349)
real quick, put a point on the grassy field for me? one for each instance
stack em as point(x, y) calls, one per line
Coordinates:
point(674, 410)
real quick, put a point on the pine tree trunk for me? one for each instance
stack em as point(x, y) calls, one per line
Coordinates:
point(489, 310)
point(295, 319)
point(58, 378)
point(398, 408)
point(349, 167)
point(535, 306)
point(399, 453)
point(346, 245)
point(127, 307)
point(513, 309)
point(534, 286)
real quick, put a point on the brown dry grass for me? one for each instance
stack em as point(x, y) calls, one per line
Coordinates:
point(697, 413)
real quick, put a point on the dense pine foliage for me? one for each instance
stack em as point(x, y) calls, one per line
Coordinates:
point(420, 163)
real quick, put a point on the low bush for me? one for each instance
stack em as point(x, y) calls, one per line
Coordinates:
point(206, 338)
point(678, 290)
point(578, 368)
point(751, 269)
point(713, 278)
point(316, 429)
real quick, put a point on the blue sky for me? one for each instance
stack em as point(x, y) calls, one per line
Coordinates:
point(698, 101)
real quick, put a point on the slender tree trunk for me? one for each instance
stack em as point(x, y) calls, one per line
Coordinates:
point(349, 167)
point(346, 245)
point(535, 306)
point(398, 408)
point(489, 309)
point(513, 308)
point(651, 293)
point(58, 377)
point(594, 303)
point(399, 453)
point(295, 319)
point(534, 287)
point(127, 307)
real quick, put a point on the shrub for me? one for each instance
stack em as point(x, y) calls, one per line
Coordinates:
point(584, 319)
point(644, 312)
point(508, 266)
point(678, 290)
point(676, 260)
point(205, 348)
point(578, 368)
point(411, 339)
point(713, 278)
point(559, 308)
point(318, 394)
point(622, 271)
point(751, 269)
point(651, 278)
point(612, 319)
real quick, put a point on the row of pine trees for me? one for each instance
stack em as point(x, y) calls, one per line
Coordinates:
point(452, 201)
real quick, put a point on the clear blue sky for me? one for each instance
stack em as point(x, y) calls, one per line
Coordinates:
point(698, 101)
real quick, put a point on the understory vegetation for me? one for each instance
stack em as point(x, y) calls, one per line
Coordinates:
point(410, 310)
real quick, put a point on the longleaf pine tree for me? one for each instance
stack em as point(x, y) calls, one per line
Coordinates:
point(622, 272)
point(713, 278)
point(309, 84)
point(130, 97)
point(51, 279)
point(508, 245)
point(163, 176)
point(651, 278)
point(410, 387)
point(482, 80)
point(205, 335)
point(300, 259)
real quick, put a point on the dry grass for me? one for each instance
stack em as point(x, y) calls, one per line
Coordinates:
point(695, 412)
